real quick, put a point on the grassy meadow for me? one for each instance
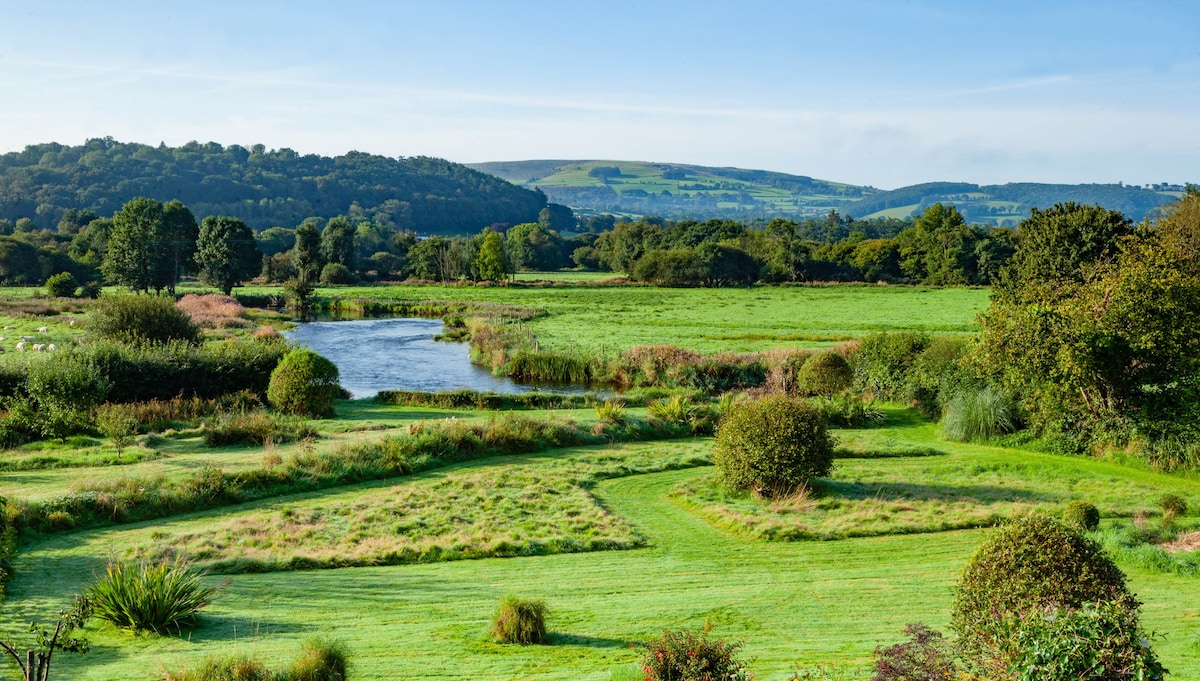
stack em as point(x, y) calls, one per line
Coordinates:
point(621, 539)
point(611, 319)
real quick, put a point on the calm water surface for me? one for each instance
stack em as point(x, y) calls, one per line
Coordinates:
point(397, 354)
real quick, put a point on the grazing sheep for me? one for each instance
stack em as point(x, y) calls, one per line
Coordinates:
point(21, 346)
point(28, 339)
point(1, 339)
point(9, 328)
point(43, 329)
point(39, 347)
point(71, 323)
point(51, 348)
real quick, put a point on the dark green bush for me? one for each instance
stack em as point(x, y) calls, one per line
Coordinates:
point(131, 318)
point(1082, 515)
point(61, 393)
point(336, 273)
point(1102, 642)
point(1028, 566)
point(772, 446)
point(686, 655)
point(825, 373)
point(520, 620)
point(160, 598)
point(61, 285)
point(304, 384)
point(163, 372)
point(938, 374)
point(883, 360)
point(926, 656)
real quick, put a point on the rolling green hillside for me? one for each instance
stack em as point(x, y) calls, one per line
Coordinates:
point(673, 190)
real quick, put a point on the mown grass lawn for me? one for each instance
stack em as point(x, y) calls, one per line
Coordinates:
point(792, 602)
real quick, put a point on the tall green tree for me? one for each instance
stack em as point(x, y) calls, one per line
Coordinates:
point(337, 242)
point(490, 263)
point(177, 242)
point(306, 253)
point(134, 244)
point(227, 252)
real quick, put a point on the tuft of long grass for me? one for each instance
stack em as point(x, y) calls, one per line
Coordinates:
point(159, 598)
point(521, 621)
point(320, 659)
point(978, 415)
point(233, 668)
point(257, 428)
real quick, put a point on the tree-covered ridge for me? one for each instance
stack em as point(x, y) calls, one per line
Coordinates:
point(677, 191)
point(262, 187)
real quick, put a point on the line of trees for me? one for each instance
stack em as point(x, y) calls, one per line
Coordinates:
point(936, 248)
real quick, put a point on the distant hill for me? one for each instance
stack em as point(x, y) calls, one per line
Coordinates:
point(674, 190)
point(1008, 204)
point(264, 188)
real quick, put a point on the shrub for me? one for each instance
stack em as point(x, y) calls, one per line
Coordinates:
point(883, 360)
point(772, 446)
point(142, 319)
point(1172, 505)
point(611, 411)
point(163, 372)
point(676, 409)
point(978, 415)
point(825, 373)
point(937, 375)
point(926, 656)
point(684, 654)
point(336, 273)
point(118, 425)
point(320, 660)
point(62, 392)
point(520, 621)
point(61, 285)
point(1032, 564)
point(1081, 515)
point(304, 384)
point(214, 311)
point(145, 597)
point(1102, 642)
point(257, 428)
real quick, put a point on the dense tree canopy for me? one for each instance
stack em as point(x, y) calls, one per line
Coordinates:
point(262, 187)
point(226, 252)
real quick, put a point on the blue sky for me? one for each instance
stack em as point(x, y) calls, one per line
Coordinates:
point(881, 93)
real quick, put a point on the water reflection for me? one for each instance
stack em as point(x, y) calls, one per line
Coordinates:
point(397, 354)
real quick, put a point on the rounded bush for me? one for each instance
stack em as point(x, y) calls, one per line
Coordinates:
point(142, 319)
point(825, 373)
point(1081, 515)
point(1172, 505)
point(772, 446)
point(520, 621)
point(685, 654)
point(320, 660)
point(336, 273)
point(304, 383)
point(1031, 565)
point(61, 285)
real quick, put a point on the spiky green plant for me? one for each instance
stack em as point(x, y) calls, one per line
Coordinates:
point(159, 598)
point(520, 621)
point(611, 411)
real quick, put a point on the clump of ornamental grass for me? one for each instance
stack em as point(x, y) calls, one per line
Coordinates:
point(978, 415)
point(143, 597)
point(521, 621)
point(320, 660)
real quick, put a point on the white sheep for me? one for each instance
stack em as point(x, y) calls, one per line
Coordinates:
point(39, 347)
point(21, 346)
point(51, 348)
point(43, 329)
point(71, 323)
point(9, 328)
point(28, 339)
point(2, 339)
